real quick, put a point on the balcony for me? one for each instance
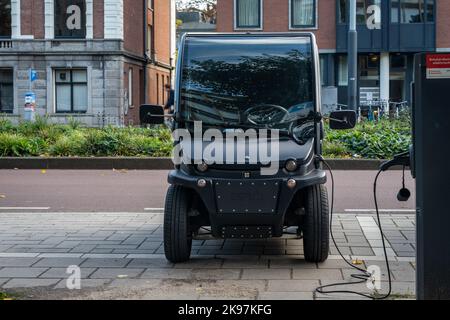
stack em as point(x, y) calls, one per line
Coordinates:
point(6, 44)
point(64, 46)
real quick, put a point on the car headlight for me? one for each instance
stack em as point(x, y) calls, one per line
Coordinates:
point(202, 167)
point(291, 165)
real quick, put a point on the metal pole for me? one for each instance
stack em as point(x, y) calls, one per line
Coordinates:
point(352, 59)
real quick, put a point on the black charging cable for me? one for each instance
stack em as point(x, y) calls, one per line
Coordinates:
point(363, 276)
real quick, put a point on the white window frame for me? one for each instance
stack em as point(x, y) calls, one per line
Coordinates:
point(53, 89)
point(236, 27)
point(316, 20)
point(342, 70)
point(130, 87)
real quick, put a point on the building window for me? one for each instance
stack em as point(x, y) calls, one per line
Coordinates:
point(398, 61)
point(322, 69)
point(6, 91)
point(5, 18)
point(70, 19)
point(71, 91)
point(130, 87)
point(248, 14)
point(157, 89)
point(430, 10)
point(343, 71)
point(395, 11)
point(412, 11)
point(361, 10)
point(303, 13)
point(416, 11)
point(342, 11)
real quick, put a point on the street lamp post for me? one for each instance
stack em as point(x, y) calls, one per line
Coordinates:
point(352, 59)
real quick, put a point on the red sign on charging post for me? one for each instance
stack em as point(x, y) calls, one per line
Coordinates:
point(438, 66)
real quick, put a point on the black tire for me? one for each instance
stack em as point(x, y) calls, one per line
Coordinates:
point(316, 227)
point(177, 231)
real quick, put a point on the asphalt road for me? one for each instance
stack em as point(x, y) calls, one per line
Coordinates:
point(138, 191)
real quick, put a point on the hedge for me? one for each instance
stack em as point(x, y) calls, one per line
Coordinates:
point(369, 140)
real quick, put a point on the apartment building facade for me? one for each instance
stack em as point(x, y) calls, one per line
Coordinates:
point(95, 61)
point(390, 32)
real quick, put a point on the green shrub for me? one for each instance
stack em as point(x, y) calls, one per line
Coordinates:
point(371, 140)
point(68, 146)
point(14, 145)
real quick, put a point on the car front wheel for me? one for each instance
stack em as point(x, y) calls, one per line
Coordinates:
point(316, 227)
point(177, 231)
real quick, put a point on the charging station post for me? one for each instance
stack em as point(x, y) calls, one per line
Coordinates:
point(431, 154)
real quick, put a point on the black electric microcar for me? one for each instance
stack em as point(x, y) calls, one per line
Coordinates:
point(237, 82)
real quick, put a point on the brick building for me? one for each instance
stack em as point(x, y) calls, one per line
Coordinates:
point(390, 33)
point(96, 60)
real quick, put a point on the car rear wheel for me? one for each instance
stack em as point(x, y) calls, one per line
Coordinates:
point(177, 230)
point(316, 227)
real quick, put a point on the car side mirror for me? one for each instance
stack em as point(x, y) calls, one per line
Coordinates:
point(151, 114)
point(342, 120)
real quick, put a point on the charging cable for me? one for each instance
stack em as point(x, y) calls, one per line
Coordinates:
point(363, 276)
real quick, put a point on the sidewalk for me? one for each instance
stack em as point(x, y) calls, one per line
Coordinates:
point(121, 256)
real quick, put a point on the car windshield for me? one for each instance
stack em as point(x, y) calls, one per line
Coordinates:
point(248, 81)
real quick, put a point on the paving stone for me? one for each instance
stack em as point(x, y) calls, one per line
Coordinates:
point(266, 274)
point(11, 272)
point(206, 262)
point(85, 283)
point(292, 285)
point(287, 262)
point(285, 296)
point(58, 262)
point(333, 264)
point(404, 275)
point(166, 274)
point(317, 274)
point(83, 248)
point(3, 280)
point(344, 250)
point(17, 262)
point(365, 251)
point(30, 283)
point(55, 273)
point(105, 263)
point(246, 263)
point(135, 283)
point(216, 274)
point(68, 244)
point(404, 288)
point(380, 252)
point(406, 254)
point(150, 263)
point(404, 247)
point(112, 273)
point(239, 285)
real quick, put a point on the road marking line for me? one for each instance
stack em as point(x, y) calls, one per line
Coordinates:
point(154, 209)
point(381, 210)
point(24, 208)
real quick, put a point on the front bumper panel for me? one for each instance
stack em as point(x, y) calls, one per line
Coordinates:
point(245, 197)
point(247, 202)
